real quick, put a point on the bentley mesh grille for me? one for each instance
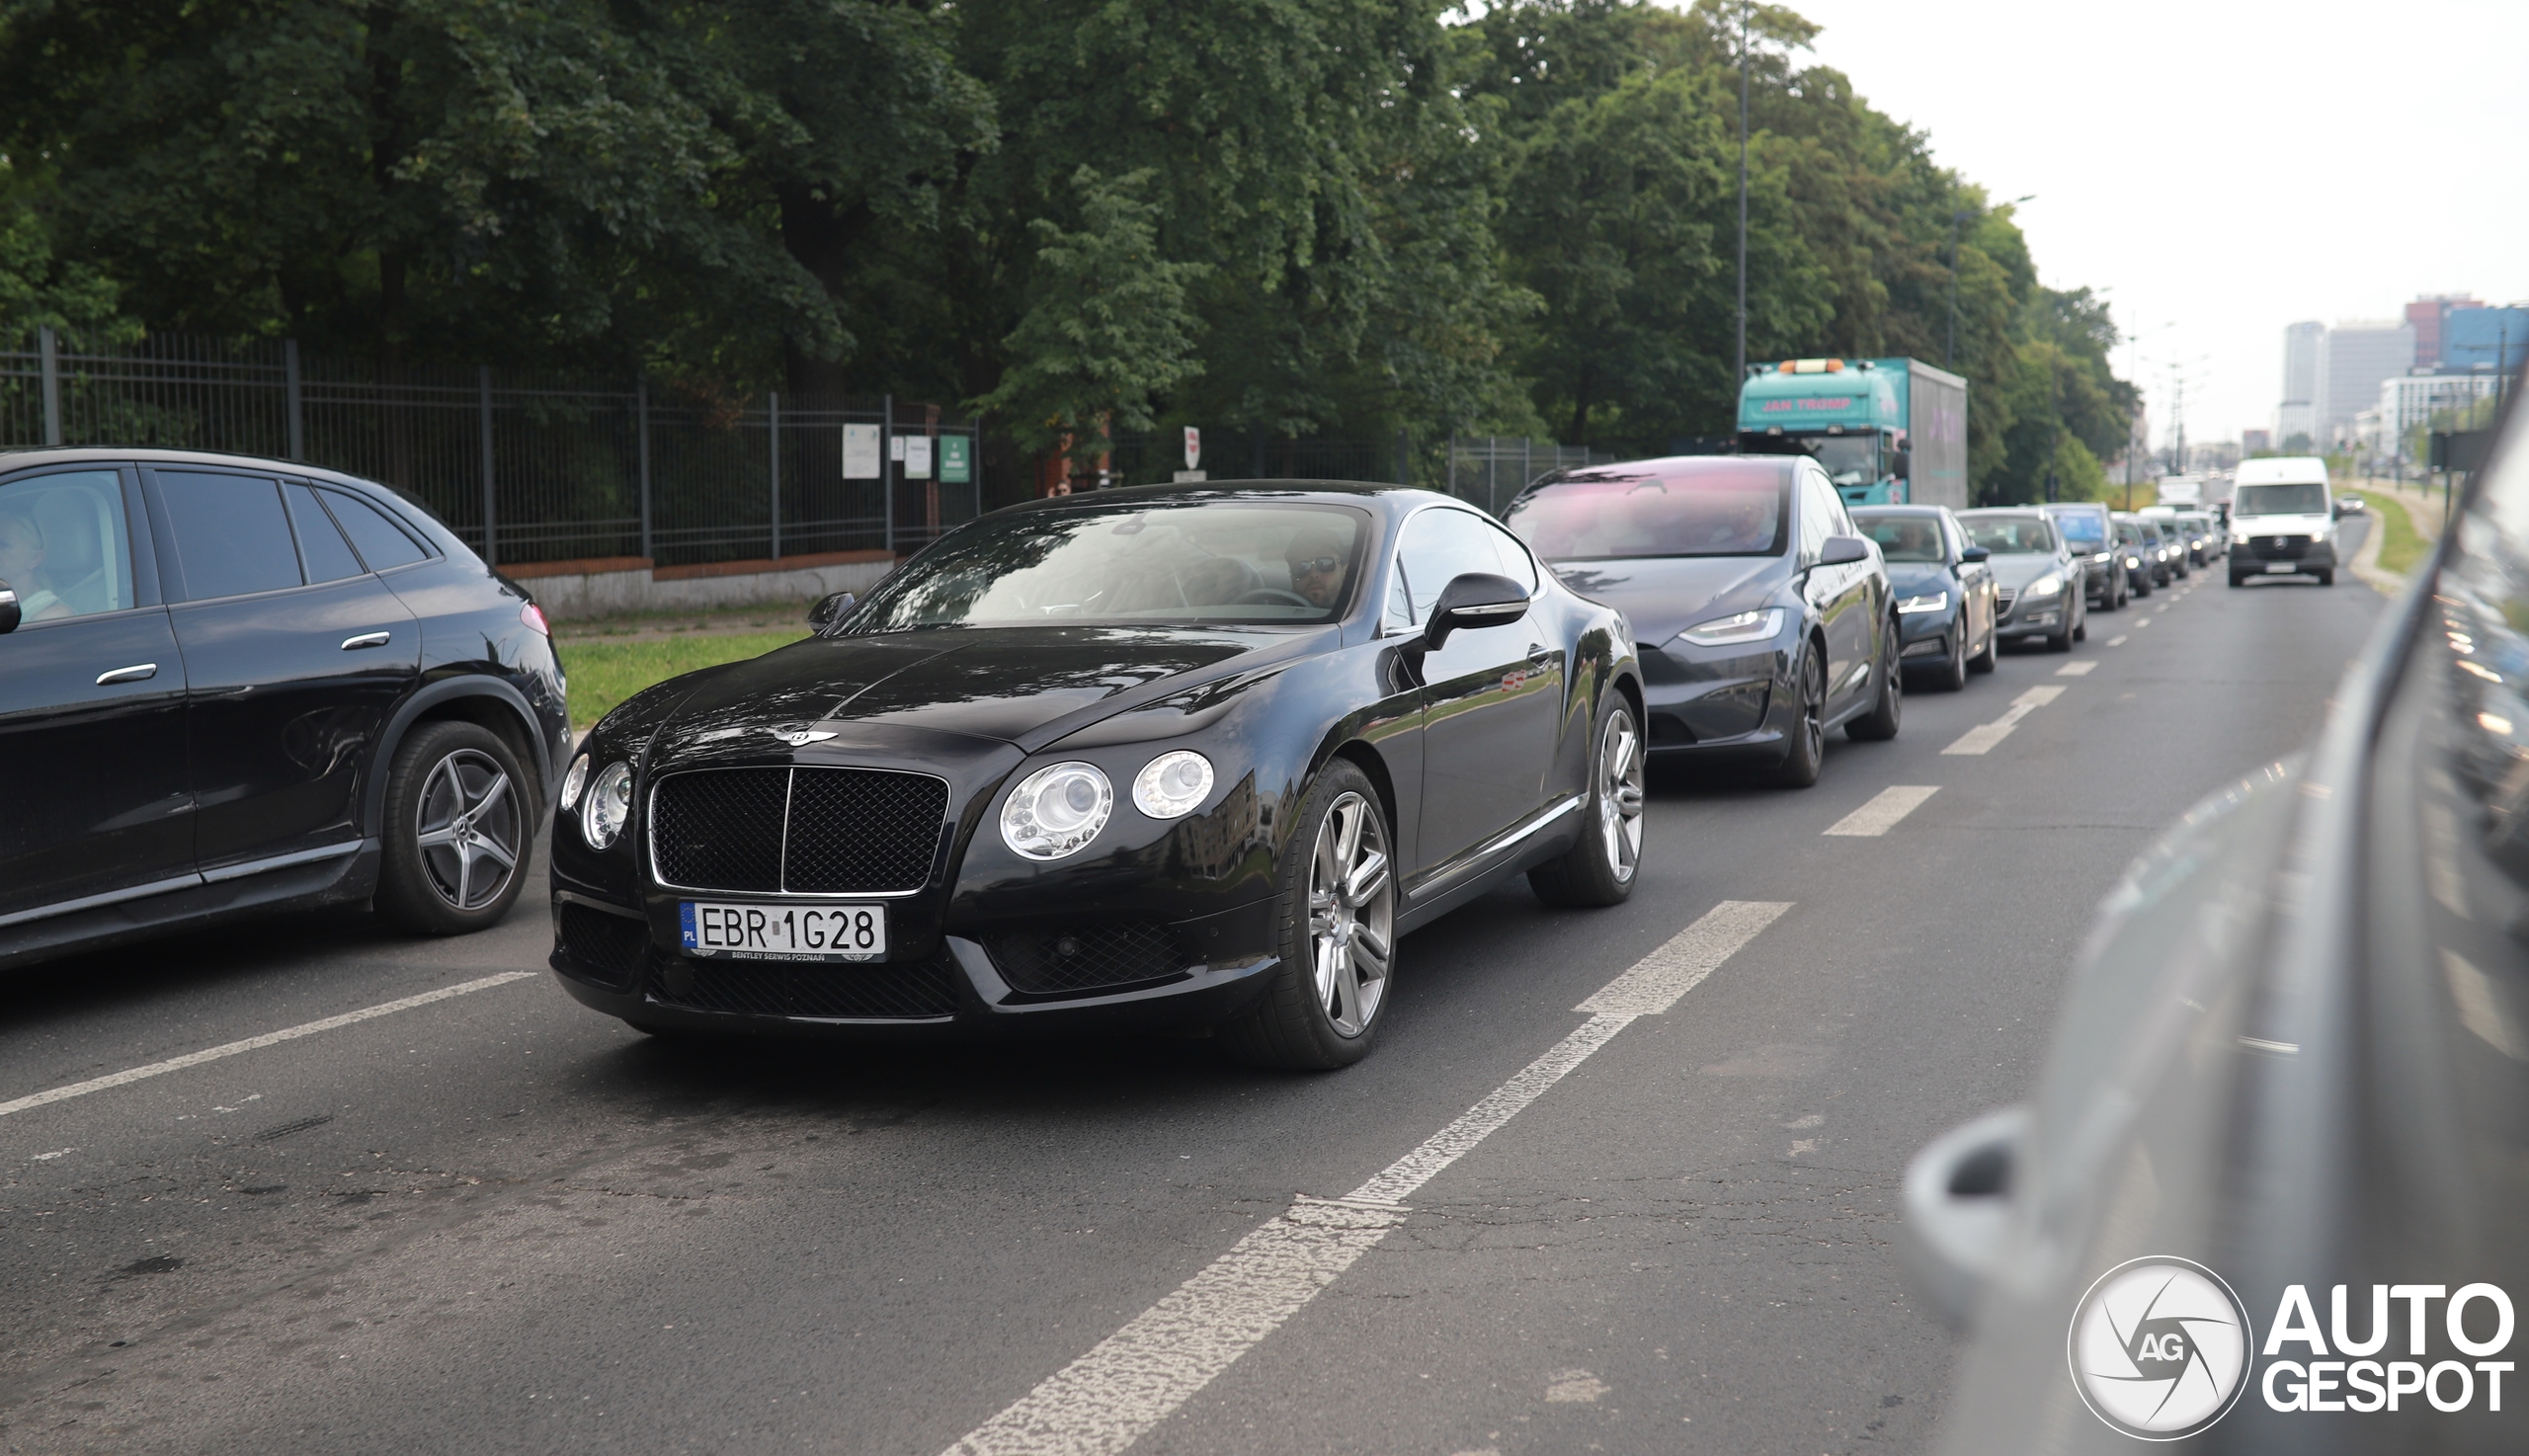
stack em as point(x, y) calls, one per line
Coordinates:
point(848, 830)
point(1086, 957)
point(607, 948)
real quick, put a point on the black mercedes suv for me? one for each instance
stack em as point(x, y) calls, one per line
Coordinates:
point(231, 685)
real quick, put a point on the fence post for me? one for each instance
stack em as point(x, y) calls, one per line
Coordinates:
point(50, 350)
point(772, 427)
point(491, 513)
point(297, 420)
point(1404, 457)
point(887, 468)
point(641, 422)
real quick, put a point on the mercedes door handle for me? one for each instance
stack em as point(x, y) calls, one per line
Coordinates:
point(140, 672)
point(366, 639)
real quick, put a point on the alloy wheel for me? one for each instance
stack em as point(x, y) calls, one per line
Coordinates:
point(467, 825)
point(1352, 913)
point(1813, 707)
point(1620, 795)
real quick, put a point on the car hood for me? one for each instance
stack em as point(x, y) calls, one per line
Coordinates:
point(1663, 595)
point(1015, 685)
point(1916, 578)
point(2011, 573)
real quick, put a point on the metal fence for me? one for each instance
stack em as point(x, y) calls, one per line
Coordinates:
point(525, 465)
point(1154, 458)
point(1489, 470)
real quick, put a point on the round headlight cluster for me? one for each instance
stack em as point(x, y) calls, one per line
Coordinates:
point(1057, 811)
point(609, 805)
point(1173, 785)
point(574, 781)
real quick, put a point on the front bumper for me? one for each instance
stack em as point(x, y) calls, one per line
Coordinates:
point(2253, 556)
point(2037, 616)
point(1718, 702)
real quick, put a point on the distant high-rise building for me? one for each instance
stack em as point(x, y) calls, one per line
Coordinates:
point(2256, 442)
point(2353, 357)
point(2494, 339)
point(2425, 316)
point(2298, 414)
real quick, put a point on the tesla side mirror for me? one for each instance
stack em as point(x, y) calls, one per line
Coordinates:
point(1478, 599)
point(1843, 551)
point(8, 608)
point(1974, 553)
point(829, 610)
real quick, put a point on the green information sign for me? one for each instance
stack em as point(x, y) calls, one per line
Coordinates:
point(956, 460)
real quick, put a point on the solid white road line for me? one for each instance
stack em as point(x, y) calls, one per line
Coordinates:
point(2075, 669)
point(256, 1043)
point(2116, 641)
point(1881, 814)
point(1112, 1396)
point(1981, 739)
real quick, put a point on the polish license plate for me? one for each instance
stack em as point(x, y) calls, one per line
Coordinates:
point(2281, 568)
point(784, 932)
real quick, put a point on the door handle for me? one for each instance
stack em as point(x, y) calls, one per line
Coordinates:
point(366, 639)
point(140, 671)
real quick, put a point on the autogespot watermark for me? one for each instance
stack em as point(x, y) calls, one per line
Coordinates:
point(2162, 1348)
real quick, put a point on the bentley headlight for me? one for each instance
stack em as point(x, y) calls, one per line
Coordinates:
point(1057, 811)
point(1929, 601)
point(609, 805)
point(2045, 586)
point(1759, 625)
point(574, 781)
point(1173, 785)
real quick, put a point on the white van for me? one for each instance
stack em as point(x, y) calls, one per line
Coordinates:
point(2283, 520)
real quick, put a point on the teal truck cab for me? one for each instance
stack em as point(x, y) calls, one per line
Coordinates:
point(1889, 431)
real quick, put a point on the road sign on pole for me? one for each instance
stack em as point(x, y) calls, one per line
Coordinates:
point(1193, 448)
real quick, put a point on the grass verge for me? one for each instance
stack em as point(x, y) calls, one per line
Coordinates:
point(604, 674)
point(2400, 544)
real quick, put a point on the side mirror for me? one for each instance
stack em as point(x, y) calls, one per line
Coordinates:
point(1476, 600)
point(1958, 1213)
point(1974, 553)
point(1843, 551)
point(8, 608)
point(829, 610)
point(1903, 469)
point(2337, 510)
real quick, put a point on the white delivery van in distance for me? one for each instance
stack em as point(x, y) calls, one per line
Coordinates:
point(2283, 520)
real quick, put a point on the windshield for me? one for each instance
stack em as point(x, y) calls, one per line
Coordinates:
point(1729, 511)
point(2281, 500)
point(1851, 459)
point(2085, 530)
point(2010, 535)
point(1903, 537)
point(1202, 561)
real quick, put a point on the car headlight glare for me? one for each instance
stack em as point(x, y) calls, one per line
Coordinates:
point(1057, 811)
point(2045, 586)
point(1929, 601)
point(1746, 626)
point(574, 781)
point(2134, 563)
point(608, 807)
point(1173, 785)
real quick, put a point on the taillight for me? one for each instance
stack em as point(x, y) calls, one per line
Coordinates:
point(534, 616)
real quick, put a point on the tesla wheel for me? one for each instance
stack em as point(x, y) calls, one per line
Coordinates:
point(457, 831)
point(1889, 706)
point(1806, 751)
point(1334, 927)
point(1599, 870)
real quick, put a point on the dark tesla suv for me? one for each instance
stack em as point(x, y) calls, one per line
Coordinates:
point(230, 686)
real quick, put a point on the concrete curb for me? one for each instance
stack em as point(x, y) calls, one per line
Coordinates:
point(2366, 561)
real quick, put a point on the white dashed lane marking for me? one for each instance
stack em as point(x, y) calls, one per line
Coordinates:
point(1881, 814)
point(1981, 739)
point(2116, 641)
point(2140, 625)
point(2075, 669)
point(1109, 1398)
point(256, 1043)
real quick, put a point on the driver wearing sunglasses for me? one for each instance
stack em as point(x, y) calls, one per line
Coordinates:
point(1317, 567)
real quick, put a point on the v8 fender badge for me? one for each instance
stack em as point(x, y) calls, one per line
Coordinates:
point(2161, 1348)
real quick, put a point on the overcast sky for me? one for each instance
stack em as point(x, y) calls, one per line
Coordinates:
point(2231, 166)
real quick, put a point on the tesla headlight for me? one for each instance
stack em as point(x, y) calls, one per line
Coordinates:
point(1173, 785)
point(2045, 586)
point(1929, 601)
point(574, 781)
point(1057, 811)
point(1729, 632)
point(609, 805)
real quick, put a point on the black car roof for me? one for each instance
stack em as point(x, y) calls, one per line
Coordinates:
point(78, 454)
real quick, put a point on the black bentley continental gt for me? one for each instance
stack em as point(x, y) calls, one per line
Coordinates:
point(1163, 757)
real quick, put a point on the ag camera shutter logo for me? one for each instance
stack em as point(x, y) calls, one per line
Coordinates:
point(2160, 1348)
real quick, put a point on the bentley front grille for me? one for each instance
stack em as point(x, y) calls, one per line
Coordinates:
point(796, 831)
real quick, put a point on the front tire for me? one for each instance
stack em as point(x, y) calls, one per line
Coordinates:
point(1886, 709)
point(1334, 928)
point(1988, 657)
point(1600, 869)
point(457, 840)
point(1806, 751)
point(1952, 675)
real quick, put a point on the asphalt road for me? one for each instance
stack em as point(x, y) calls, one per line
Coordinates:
point(499, 1223)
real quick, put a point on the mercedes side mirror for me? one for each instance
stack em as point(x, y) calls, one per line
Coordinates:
point(1843, 551)
point(1478, 599)
point(1974, 553)
point(8, 608)
point(829, 610)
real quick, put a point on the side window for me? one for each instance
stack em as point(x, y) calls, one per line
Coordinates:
point(1833, 504)
point(1817, 519)
point(321, 548)
point(63, 544)
point(1516, 563)
point(231, 537)
point(1438, 548)
point(381, 542)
